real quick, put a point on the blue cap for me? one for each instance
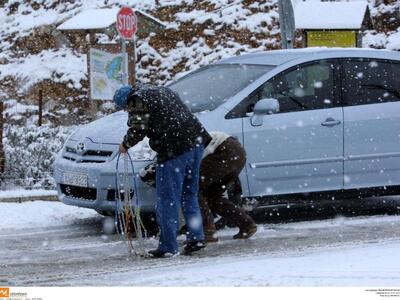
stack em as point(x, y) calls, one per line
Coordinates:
point(121, 96)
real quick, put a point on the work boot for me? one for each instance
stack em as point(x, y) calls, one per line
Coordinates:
point(157, 253)
point(193, 247)
point(246, 232)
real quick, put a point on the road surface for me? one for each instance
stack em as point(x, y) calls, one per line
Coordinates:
point(355, 251)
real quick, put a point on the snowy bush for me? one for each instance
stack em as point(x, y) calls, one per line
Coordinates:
point(30, 152)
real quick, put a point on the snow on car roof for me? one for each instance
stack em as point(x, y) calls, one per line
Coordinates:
point(330, 15)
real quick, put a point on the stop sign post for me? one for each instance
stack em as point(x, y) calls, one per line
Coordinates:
point(126, 26)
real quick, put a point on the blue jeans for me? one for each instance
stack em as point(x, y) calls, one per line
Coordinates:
point(177, 182)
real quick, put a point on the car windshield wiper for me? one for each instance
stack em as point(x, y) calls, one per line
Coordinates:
point(382, 87)
point(295, 100)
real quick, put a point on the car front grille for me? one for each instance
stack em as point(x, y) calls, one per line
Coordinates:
point(78, 192)
point(88, 156)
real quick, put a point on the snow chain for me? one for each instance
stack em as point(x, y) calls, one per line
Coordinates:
point(125, 217)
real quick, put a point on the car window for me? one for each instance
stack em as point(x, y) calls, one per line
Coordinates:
point(209, 87)
point(305, 87)
point(370, 81)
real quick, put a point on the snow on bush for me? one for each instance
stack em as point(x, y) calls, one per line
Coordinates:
point(381, 40)
point(393, 41)
point(30, 152)
point(373, 39)
point(48, 64)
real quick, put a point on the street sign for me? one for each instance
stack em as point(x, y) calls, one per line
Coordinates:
point(126, 23)
point(331, 38)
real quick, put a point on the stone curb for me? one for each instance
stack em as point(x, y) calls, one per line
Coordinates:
point(28, 198)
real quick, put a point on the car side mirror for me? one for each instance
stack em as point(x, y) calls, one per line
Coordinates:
point(264, 107)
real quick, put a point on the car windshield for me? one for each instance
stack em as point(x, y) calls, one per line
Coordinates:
point(209, 87)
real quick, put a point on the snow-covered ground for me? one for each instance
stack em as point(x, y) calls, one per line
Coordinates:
point(39, 213)
point(350, 265)
point(47, 243)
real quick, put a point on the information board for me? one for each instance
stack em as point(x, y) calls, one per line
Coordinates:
point(105, 73)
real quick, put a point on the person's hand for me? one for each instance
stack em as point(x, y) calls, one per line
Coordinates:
point(122, 149)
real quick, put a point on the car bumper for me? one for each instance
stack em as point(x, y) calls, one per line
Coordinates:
point(100, 191)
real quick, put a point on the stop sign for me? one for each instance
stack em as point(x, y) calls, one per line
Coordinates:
point(126, 22)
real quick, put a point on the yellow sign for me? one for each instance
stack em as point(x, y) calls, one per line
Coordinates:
point(331, 38)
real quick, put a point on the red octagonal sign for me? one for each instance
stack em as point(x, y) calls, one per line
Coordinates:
point(126, 22)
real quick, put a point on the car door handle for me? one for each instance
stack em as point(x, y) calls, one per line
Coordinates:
point(330, 122)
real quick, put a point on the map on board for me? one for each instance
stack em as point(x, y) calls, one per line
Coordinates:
point(105, 74)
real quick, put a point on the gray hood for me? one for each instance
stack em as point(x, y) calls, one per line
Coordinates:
point(107, 130)
point(110, 129)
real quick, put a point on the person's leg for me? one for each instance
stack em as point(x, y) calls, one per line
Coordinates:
point(232, 213)
point(211, 171)
point(235, 192)
point(235, 196)
point(190, 199)
point(169, 191)
point(208, 220)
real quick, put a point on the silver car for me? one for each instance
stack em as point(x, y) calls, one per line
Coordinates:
point(314, 122)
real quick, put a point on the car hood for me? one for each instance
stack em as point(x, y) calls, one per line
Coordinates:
point(111, 129)
point(107, 130)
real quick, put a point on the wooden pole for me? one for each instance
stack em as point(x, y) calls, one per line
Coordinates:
point(134, 59)
point(40, 107)
point(125, 75)
point(2, 157)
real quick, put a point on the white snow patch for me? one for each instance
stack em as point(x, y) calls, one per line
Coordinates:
point(355, 265)
point(41, 214)
point(98, 19)
point(26, 193)
point(373, 39)
point(330, 15)
point(14, 108)
point(91, 19)
point(393, 41)
point(48, 64)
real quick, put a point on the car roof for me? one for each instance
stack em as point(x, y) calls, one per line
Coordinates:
point(278, 57)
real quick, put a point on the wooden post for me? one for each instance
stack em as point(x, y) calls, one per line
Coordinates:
point(40, 100)
point(2, 157)
point(134, 59)
point(125, 64)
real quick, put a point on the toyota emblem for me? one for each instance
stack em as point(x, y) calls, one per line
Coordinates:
point(80, 148)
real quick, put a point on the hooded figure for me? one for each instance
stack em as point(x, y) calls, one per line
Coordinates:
point(178, 138)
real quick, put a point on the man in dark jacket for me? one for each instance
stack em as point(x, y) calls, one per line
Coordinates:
point(178, 138)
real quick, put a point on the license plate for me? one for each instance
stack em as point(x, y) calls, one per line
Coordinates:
point(76, 179)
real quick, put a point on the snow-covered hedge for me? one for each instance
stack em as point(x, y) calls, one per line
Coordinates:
point(30, 152)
